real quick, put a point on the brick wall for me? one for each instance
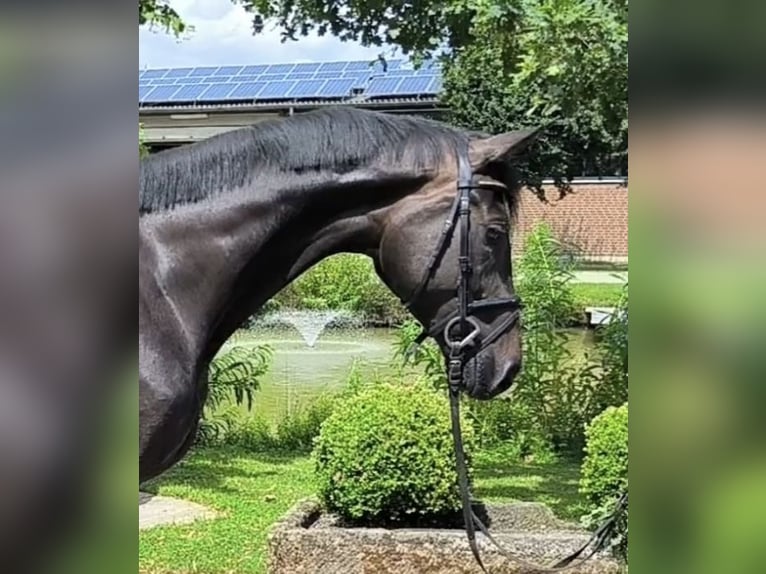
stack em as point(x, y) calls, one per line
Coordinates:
point(592, 220)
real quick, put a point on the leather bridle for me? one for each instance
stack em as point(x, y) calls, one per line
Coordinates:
point(464, 338)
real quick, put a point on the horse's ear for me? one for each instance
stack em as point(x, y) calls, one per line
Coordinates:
point(500, 147)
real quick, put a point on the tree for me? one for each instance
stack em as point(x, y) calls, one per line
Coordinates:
point(159, 13)
point(563, 67)
point(508, 64)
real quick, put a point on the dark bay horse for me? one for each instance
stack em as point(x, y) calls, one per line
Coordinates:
point(226, 223)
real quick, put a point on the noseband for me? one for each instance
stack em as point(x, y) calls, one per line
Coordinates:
point(463, 336)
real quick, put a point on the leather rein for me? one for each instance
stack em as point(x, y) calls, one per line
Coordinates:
point(464, 338)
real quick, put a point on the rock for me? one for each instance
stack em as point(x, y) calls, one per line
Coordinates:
point(162, 510)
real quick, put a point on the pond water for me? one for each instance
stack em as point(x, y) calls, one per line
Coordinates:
point(300, 373)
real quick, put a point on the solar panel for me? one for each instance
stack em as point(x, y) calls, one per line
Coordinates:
point(356, 75)
point(275, 81)
point(306, 68)
point(247, 91)
point(333, 66)
point(327, 75)
point(254, 70)
point(413, 85)
point(336, 89)
point(204, 71)
point(218, 91)
point(161, 94)
point(390, 65)
point(382, 87)
point(178, 72)
point(306, 89)
point(188, 93)
point(273, 77)
point(299, 76)
point(228, 71)
point(149, 74)
point(358, 66)
point(278, 89)
point(281, 68)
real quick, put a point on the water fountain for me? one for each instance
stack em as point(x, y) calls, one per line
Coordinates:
point(309, 323)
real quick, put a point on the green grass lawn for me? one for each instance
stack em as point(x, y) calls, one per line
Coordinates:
point(254, 490)
point(596, 294)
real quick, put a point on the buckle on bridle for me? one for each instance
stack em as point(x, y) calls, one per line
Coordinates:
point(455, 374)
point(458, 345)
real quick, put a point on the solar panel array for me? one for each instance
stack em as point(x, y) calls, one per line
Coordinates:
point(274, 82)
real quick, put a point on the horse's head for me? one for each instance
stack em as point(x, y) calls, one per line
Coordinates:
point(411, 236)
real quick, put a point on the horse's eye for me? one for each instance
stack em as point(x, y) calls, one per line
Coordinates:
point(495, 233)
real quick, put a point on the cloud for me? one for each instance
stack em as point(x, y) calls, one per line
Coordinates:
point(223, 35)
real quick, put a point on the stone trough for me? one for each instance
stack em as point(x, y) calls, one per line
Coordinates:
point(308, 542)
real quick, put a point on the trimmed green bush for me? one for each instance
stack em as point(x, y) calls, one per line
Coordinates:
point(604, 473)
point(386, 456)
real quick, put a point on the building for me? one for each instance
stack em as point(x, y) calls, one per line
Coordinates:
point(183, 105)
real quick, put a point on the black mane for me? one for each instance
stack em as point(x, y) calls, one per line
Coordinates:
point(338, 139)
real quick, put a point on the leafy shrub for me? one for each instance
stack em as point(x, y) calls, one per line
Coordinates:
point(515, 425)
point(386, 455)
point(543, 281)
point(343, 282)
point(427, 355)
point(613, 387)
point(297, 430)
point(235, 374)
point(232, 376)
point(605, 470)
point(551, 403)
point(250, 432)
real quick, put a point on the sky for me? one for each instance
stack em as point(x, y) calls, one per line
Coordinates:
point(223, 35)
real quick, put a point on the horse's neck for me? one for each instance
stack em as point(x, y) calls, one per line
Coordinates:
point(218, 261)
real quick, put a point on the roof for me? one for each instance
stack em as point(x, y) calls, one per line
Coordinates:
point(312, 83)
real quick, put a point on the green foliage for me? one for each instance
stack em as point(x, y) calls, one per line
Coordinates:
point(417, 27)
point(427, 355)
point(563, 66)
point(159, 13)
point(557, 392)
point(233, 375)
point(613, 387)
point(386, 455)
point(604, 474)
point(509, 64)
point(297, 431)
point(543, 278)
point(294, 433)
point(596, 295)
point(343, 282)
